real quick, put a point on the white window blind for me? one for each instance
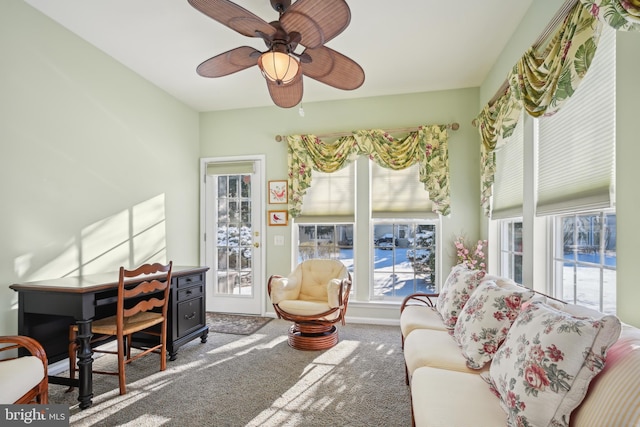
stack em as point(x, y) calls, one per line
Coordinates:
point(398, 194)
point(576, 146)
point(331, 197)
point(509, 176)
point(230, 168)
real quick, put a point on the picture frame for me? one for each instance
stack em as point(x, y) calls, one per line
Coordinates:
point(278, 192)
point(278, 217)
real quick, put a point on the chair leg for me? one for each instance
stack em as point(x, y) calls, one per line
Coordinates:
point(163, 349)
point(121, 366)
point(127, 343)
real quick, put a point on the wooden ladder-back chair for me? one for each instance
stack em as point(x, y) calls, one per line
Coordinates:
point(314, 297)
point(23, 379)
point(139, 309)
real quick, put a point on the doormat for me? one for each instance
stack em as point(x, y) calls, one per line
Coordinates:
point(235, 323)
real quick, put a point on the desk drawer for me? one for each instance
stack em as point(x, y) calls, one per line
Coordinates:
point(190, 280)
point(190, 315)
point(191, 292)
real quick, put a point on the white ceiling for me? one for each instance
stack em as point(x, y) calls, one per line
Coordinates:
point(403, 46)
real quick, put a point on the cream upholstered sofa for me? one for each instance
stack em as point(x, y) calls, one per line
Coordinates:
point(23, 379)
point(488, 352)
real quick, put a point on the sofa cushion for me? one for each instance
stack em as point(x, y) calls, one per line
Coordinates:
point(420, 317)
point(455, 292)
point(485, 320)
point(442, 398)
point(543, 369)
point(19, 376)
point(613, 398)
point(429, 347)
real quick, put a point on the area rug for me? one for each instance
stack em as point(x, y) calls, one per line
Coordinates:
point(234, 323)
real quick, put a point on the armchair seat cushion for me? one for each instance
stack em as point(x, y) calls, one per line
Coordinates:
point(307, 308)
point(19, 376)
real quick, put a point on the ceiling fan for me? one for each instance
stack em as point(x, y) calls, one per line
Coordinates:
point(306, 23)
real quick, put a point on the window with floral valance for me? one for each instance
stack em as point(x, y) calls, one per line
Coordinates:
point(543, 79)
point(426, 146)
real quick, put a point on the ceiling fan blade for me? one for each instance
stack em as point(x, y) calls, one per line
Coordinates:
point(229, 62)
point(332, 68)
point(286, 96)
point(318, 21)
point(233, 16)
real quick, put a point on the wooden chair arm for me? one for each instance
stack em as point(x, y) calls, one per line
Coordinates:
point(418, 298)
point(274, 276)
point(344, 296)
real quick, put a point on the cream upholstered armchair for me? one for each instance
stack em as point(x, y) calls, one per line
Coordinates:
point(23, 379)
point(314, 297)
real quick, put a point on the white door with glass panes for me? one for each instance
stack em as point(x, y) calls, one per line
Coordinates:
point(232, 220)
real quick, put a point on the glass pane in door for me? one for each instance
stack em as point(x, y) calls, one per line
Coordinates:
point(234, 235)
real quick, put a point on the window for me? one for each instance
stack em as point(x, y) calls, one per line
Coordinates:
point(567, 184)
point(585, 259)
point(576, 185)
point(325, 241)
point(404, 259)
point(511, 249)
point(400, 241)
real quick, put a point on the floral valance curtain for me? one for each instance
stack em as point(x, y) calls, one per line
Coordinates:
point(426, 146)
point(541, 82)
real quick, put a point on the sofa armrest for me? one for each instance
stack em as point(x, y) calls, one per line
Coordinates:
point(418, 298)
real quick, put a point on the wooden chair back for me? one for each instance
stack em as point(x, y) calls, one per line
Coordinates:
point(150, 294)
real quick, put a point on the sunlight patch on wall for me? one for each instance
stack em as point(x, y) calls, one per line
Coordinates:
point(65, 263)
point(128, 238)
point(105, 244)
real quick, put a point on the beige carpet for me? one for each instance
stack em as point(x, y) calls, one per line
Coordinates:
point(258, 380)
point(234, 323)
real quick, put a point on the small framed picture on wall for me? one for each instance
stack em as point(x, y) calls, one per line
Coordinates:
point(278, 217)
point(278, 192)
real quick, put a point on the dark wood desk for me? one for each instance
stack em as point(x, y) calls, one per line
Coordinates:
point(47, 308)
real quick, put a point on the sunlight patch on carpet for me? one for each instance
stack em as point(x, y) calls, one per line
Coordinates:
point(306, 394)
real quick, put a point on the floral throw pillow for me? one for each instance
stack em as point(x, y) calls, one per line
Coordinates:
point(543, 369)
point(485, 320)
point(455, 292)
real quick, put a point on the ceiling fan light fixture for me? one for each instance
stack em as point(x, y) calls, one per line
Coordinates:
point(279, 67)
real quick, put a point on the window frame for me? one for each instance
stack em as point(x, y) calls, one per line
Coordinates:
point(507, 250)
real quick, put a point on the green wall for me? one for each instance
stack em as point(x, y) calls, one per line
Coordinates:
point(99, 168)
